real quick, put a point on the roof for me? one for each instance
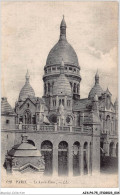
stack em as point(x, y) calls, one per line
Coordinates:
point(81, 104)
point(96, 90)
point(45, 120)
point(108, 91)
point(24, 149)
point(6, 107)
point(62, 50)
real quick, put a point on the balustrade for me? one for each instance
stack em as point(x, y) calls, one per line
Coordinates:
point(63, 128)
point(49, 128)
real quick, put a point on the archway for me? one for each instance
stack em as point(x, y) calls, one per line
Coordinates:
point(31, 142)
point(85, 158)
point(117, 150)
point(63, 158)
point(111, 149)
point(47, 152)
point(76, 158)
point(108, 123)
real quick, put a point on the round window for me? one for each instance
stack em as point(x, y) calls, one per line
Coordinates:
point(53, 118)
point(68, 119)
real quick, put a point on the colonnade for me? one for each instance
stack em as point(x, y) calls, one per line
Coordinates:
point(67, 159)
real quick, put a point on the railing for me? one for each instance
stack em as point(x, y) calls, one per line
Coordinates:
point(47, 128)
point(76, 129)
point(63, 129)
point(58, 72)
point(29, 127)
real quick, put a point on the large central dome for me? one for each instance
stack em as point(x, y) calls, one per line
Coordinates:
point(62, 50)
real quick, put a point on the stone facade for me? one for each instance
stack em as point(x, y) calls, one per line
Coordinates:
point(70, 132)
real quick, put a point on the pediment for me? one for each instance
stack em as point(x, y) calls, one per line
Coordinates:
point(28, 168)
point(26, 102)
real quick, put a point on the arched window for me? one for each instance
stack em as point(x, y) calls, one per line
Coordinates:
point(117, 150)
point(63, 102)
point(78, 89)
point(45, 88)
point(111, 149)
point(76, 159)
point(108, 122)
point(85, 158)
point(31, 142)
point(74, 88)
point(48, 87)
point(63, 158)
point(47, 152)
point(59, 102)
point(27, 117)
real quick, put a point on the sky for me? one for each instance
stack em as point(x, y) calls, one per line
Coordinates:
point(31, 29)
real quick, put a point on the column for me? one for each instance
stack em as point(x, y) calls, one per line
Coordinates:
point(88, 156)
point(51, 103)
point(50, 87)
point(57, 102)
point(70, 160)
point(81, 161)
point(65, 102)
point(114, 151)
point(72, 87)
point(55, 160)
point(106, 148)
point(46, 88)
point(76, 89)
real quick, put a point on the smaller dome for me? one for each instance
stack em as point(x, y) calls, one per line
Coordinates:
point(6, 107)
point(27, 90)
point(62, 85)
point(96, 90)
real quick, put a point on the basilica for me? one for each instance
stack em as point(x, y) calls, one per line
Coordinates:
point(59, 133)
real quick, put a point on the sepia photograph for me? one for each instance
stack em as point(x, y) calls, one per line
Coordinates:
point(59, 94)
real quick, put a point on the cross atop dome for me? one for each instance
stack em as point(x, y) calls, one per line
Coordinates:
point(63, 29)
point(63, 23)
point(27, 76)
point(97, 78)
